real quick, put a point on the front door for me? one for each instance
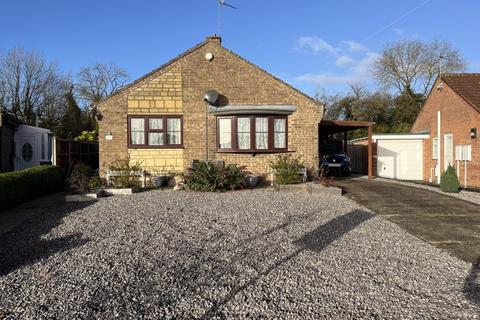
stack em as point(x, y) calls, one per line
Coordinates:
point(26, 153)
point(447, 151)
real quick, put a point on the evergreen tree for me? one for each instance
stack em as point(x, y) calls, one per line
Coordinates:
point(71, 125)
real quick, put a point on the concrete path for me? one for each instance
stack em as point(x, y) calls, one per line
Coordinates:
point(11, 218)
point(446, 222)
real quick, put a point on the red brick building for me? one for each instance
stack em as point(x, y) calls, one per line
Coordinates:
point(451, 115)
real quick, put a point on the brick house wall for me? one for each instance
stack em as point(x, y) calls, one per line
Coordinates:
point(457, 117)
point(177, 88)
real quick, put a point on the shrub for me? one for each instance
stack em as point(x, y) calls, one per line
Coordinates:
point(79, 178)
point(234, 177)
point(96, 183)
point(125, 178)
point(24, 185)
point(209, 176)
point(449, 181)
point(285, 169)
point(88, 136)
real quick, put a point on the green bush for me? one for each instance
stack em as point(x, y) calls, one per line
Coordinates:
point(234, 177)
point(449, 181)
point(79, 178)
point(125, 179)
point(285, 169)
point(24, 185)
point(208, 176)
point(96, 183)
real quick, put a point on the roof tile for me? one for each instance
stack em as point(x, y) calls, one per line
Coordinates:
point(467, 85)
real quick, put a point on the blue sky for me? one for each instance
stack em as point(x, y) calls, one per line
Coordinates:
point(311, 44)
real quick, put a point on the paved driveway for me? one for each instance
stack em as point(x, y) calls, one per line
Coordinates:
point(446, 222)
point(237, 255)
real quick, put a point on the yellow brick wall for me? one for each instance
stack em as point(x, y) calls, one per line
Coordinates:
point(178, 89)
point(160, 95)
point(158, 160)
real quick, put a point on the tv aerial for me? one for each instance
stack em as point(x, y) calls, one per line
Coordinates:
point(221, 4)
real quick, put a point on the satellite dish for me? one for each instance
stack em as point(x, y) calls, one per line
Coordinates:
point(211, 96)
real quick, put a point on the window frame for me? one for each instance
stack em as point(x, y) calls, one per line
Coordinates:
point(435, 150)
point(234, 125)
point(147, 130)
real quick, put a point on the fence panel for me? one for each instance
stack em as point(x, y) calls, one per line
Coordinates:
point(70, 152)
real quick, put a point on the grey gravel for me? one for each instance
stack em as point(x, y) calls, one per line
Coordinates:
point(246, 254)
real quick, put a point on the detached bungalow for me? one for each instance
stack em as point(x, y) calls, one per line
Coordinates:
point(451, 115)
point(165, 121)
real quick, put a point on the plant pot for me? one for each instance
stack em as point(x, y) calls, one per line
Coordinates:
point(251, 181)
point(158, 181)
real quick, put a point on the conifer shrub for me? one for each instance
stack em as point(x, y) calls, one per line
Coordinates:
point(285, 169)
point(449, 181)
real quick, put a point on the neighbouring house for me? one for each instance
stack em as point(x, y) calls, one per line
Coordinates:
point(33, 147)
point(444, 133)
point(163, 121)
point(451, 115)
point(8, 124)
point(22, 146)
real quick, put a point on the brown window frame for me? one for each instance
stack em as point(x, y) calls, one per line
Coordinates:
point(147, 130)
point(252, 149)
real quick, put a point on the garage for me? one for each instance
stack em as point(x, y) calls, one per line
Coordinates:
point(400, 156)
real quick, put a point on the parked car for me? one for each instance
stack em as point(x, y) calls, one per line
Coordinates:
point(336, 164)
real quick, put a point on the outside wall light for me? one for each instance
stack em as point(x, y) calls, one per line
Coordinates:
point(109, 136)
point(473, 133)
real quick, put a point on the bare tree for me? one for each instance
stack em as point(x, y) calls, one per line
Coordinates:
point(411, 66)
point(28, 85)
point(96, 82)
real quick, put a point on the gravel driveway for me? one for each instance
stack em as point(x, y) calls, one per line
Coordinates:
point(247, 254)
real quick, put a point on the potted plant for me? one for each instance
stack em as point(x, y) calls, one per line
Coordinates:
point(125, 177)
point(81, 186)
point(160, 178)
point(251, 180)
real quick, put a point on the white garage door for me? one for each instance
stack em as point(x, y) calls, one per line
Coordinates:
point(400, 159)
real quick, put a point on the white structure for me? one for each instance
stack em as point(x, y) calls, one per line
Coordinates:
point(33, 146)
point(400, 156)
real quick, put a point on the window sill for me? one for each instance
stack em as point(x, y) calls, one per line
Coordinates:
point(254, 152)
point(156, 147)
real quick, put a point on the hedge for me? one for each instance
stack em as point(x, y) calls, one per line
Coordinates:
point(24, 185)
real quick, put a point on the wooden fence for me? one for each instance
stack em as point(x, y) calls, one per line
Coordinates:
point(359, 156)
point(68, 153)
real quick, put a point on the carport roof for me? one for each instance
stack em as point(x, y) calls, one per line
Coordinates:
point(336, 126)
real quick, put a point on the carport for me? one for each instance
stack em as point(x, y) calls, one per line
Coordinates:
point(327, 128)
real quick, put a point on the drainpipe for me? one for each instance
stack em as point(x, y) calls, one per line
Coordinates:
point(439, 162)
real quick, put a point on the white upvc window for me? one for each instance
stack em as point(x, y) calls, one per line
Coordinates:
point(435, 148)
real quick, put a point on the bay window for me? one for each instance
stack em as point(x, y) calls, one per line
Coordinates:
point(251, 133)
point(261, 133)
point(155, 131)
point(225, 133)
point(243, 133)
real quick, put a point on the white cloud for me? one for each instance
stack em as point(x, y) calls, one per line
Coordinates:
point(326, 79)
point(349, 71)
point(364, 65)
point(349, 62)
point(345, 61)
point(354, 46)
point(316, 45)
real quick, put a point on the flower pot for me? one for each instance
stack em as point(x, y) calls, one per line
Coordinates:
point(158, 181)
point(251, 181)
